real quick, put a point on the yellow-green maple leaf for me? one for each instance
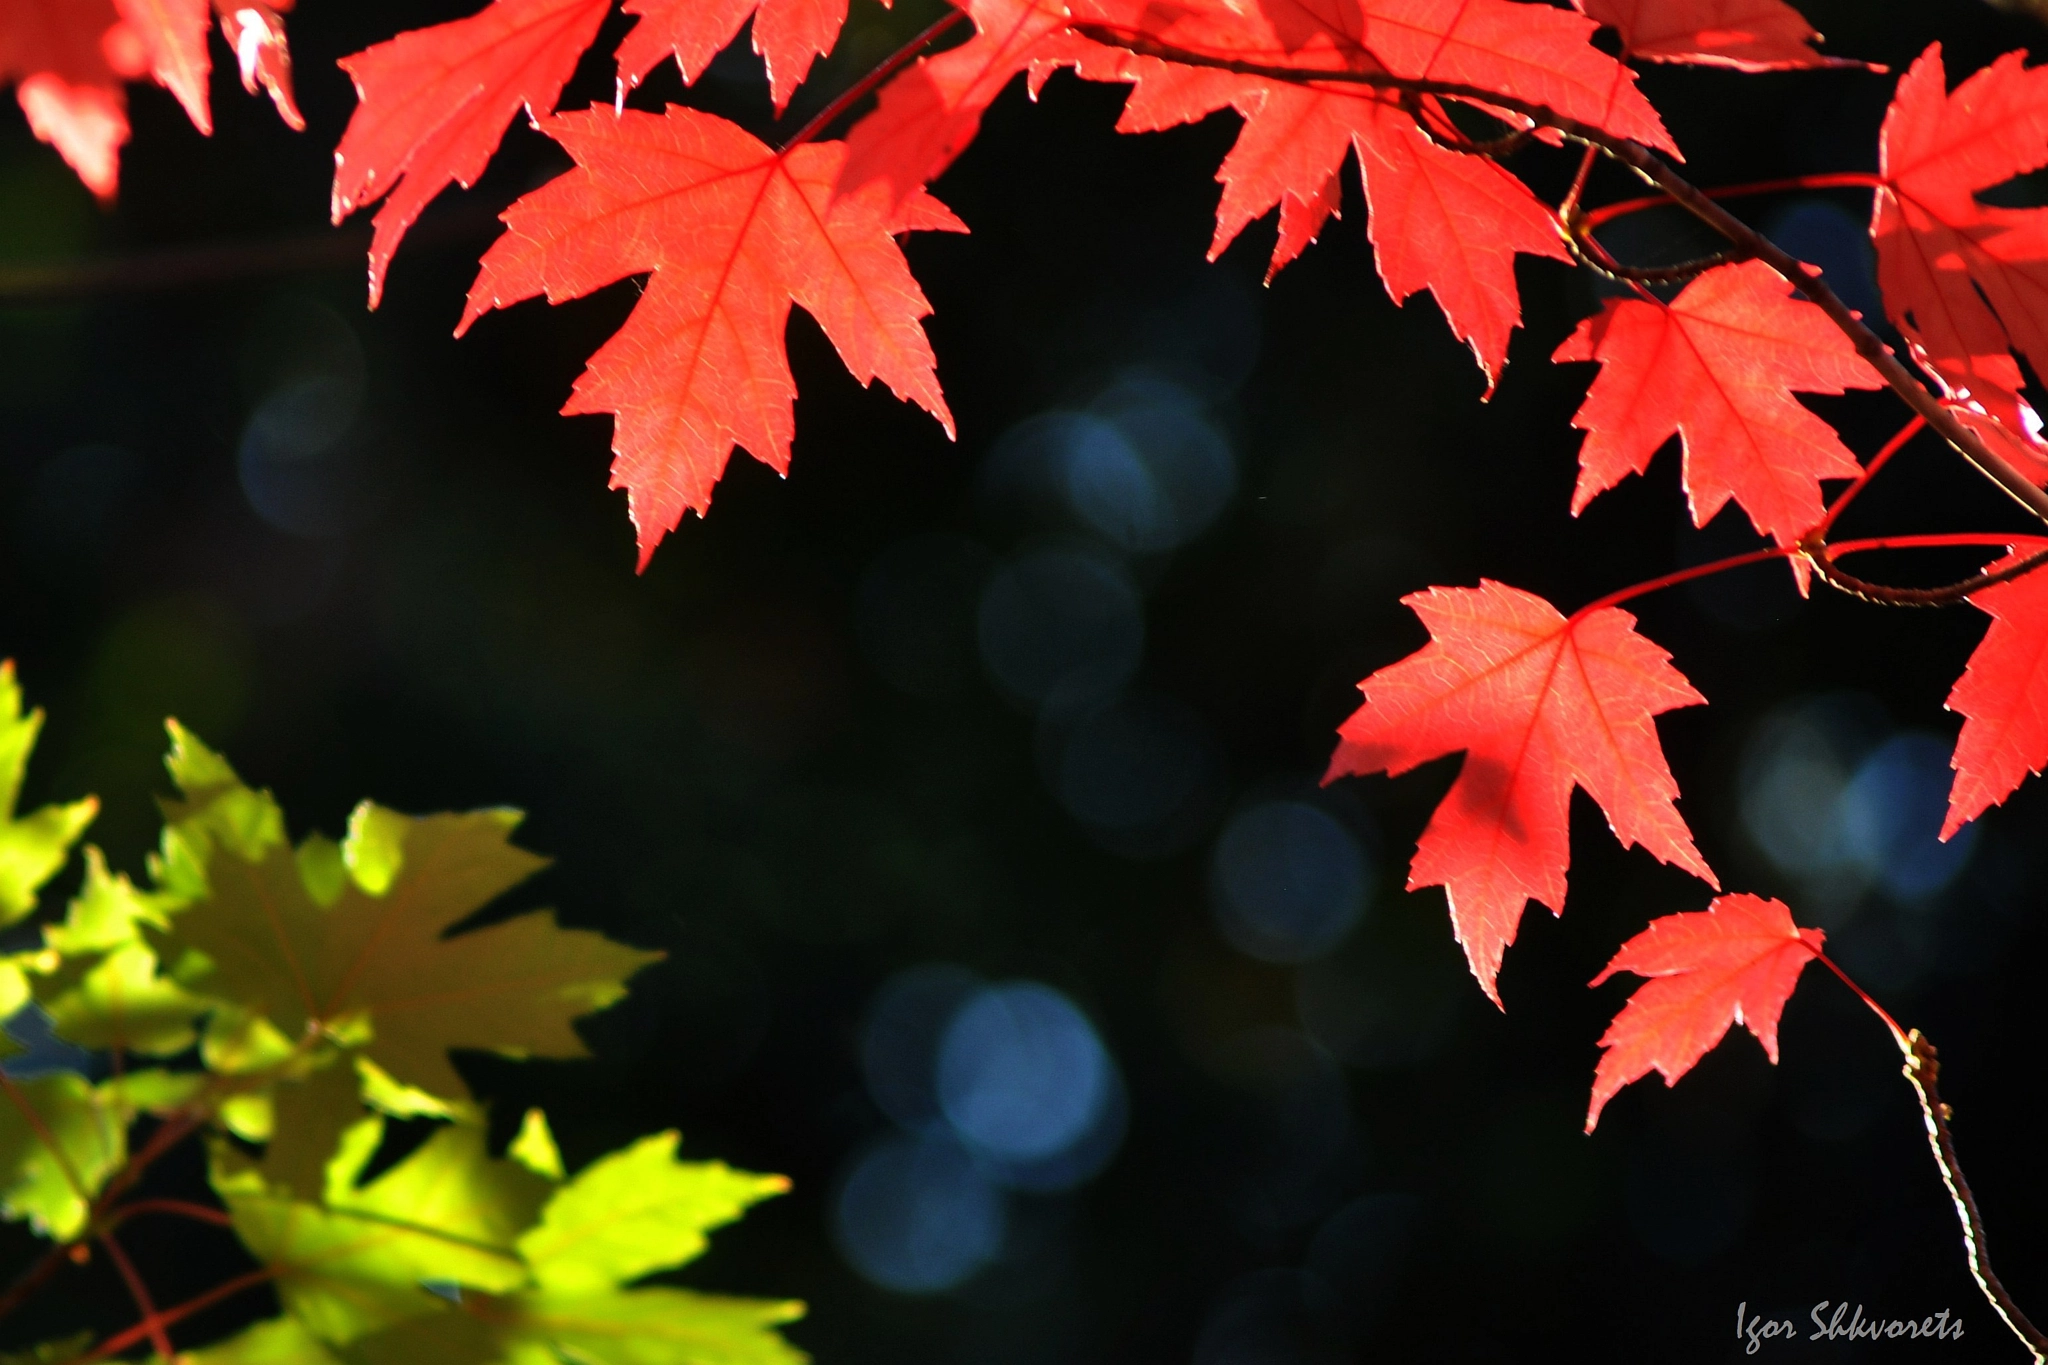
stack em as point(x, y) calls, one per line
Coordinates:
point(343, 1272)
point(619, 1327)
point(636, 1211)
point(370, 946)
point(274, 1341)
point(59, 1141)
point(33, 846)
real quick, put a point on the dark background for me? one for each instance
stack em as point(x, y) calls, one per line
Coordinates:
point(721, 769)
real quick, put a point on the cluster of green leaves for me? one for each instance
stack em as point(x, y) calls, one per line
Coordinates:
point(282, 1004)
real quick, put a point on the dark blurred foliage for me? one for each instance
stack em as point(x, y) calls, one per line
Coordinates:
point(441, 611)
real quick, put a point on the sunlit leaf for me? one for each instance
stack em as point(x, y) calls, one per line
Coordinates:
point(377, 967)
point(59, 1141)
point(634, 1212)
point(33, 846)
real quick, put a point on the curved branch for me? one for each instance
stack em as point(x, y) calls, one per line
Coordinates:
point(1922, 1069)
point(1661, 177)
point(1821, 555)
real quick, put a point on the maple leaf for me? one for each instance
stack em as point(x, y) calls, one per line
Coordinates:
point(344, 1273)
point(1717, 367)
point(55, 51)
point(2002, 696)
point(255, 30)
point(634, 1212)
point(433, 104)
point(60, 1139)
point(929, 113)
point(629, 1214)
point(1735, 962)
point(1438, 220)
point(1538, 702)
point(1965, 283)
point(1532, 52)
point(34, 846)
point(734, 233)
point(375, 947)
point(789, 35)
point(1748, 35)
point(274, 1341)
point(172, 34)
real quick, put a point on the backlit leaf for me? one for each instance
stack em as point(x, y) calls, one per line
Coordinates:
point(1735, 962)
point(59, 1141)
point(1539, 702)
point(379, 964)
point(1717, 367)
point(634, 1212)
point(2002, 696)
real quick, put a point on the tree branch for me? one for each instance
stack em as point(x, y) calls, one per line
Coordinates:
point(1821, 556)
point(1660, 176)
point(1922, 1069)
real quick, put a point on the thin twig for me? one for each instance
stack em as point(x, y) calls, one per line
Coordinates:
point(1595, 257)
point(1660, 176)
point(1821, 556)
point(1922, 1069)
point(178, 1208)
point(852, 95)
point(1833, 180)
point(1877, 462)
point(177, 1313)
point(159, 1337)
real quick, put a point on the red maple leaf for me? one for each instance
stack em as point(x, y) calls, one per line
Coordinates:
point(1748, 35)
point(734, 232)
point(1538, 702)
point(61, 55)
point(1717, 367)
point(435, 102)
point(1966, 283)
point(1532, 52)
point(255, 30)
point(1438, 219)
point(789, 35)
point(172, 34)
point(2002, 695)
point(1735, 962)
point(927, 115)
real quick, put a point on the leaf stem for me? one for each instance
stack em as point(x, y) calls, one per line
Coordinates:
point(1822, 556)
point(1836, 180)
point(179, 1208)
point(1877, 462)
point(175, 1314)
point(1653, 171)
point(1922, 1071)
point(1672, 580)
point(159, 1338)
point(852, 95)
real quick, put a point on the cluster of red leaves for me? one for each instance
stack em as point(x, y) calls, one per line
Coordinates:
point(732, 232)
point(68, 60)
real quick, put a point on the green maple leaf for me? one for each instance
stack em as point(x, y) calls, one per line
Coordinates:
point(636, 1211)
point(99, 981)
point(216, 809)
point(345, 1272)
point(304, 945)
point(59, 1141)
point(620, 1327)
point(308, 1119)
point(450, 1184)
point(274, 1341)
point(34, 846)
